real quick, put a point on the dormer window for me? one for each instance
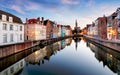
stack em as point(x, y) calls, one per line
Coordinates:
point(4, 18)
point(10, 19)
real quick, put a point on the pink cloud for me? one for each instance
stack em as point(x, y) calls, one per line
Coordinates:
point(32, 6)
point(18, 9)
point(72, 2)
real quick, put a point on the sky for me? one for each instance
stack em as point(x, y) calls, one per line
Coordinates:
point(64, 12)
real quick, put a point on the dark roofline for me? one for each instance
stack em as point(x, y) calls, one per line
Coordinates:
point(15, 18)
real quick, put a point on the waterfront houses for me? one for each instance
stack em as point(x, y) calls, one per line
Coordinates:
point(118, 22)
point(49, 28)
point(102, 27)
point(11, 29)
point(55, 30)
point(35, 30)
point(62, 31)
point(106, 27)
point(89, 29)
point(59, 30)
point(67, 30)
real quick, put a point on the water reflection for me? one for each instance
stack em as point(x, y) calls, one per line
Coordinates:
point(14, 69)
point(36, 60)
point(36, 57)
point(110, 58)
point(39, 56)
point(76, 40)
point(14, 64)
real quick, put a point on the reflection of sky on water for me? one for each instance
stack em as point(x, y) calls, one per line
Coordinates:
point(86, 60)
point(71, 62)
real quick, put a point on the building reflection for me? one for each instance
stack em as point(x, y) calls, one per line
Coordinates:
point(14, 69)
point(15, 63)
point(76, 40)
point(41, 55)
point(36, 56)
point(109, 57)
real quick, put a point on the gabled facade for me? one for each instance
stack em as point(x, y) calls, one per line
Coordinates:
point(35, 30)
point(118, 22)
point(62, 31)
point(102, 27)
point(11, 29)
point(111, 27)
point(89, 29)
point(49, 28)
point(59, 30)
point(55, 30)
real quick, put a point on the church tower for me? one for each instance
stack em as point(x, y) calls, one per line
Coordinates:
point(76, 24)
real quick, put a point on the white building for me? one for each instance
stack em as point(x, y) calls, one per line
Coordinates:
point(11, 29)
point(35, 30)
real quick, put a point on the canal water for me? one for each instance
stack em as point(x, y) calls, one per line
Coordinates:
point(75, 56)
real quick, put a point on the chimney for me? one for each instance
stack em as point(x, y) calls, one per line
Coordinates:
point(38, 20)
point(42, 20)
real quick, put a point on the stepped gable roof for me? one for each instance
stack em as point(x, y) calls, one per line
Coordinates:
point(15, 18)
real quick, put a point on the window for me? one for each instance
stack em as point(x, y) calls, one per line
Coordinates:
point(20, 28)
point(11, 27)
point(10, 19)
point(21, 63)
point(20, 36)
point(12, 70)
point(4, 17)
point(4, 38)
point(4, 26)
point(11, 37)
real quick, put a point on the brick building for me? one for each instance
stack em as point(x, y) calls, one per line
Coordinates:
point(49, 28)
point(102, 27)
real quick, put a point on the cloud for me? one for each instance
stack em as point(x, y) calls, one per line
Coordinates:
point(18, 9)
point(104, 9)
point(90, 3)
point(32, 6)
point(71, 2)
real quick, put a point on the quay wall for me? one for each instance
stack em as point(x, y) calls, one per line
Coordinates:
point(115, 45)
point(7, 50)
point(15, 48)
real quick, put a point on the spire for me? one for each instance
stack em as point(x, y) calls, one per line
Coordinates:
point(76, 24)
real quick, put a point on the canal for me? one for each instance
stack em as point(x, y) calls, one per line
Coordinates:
point(66, 57)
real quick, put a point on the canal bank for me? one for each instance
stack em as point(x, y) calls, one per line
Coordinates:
point(115, 45)
point(7, 50)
